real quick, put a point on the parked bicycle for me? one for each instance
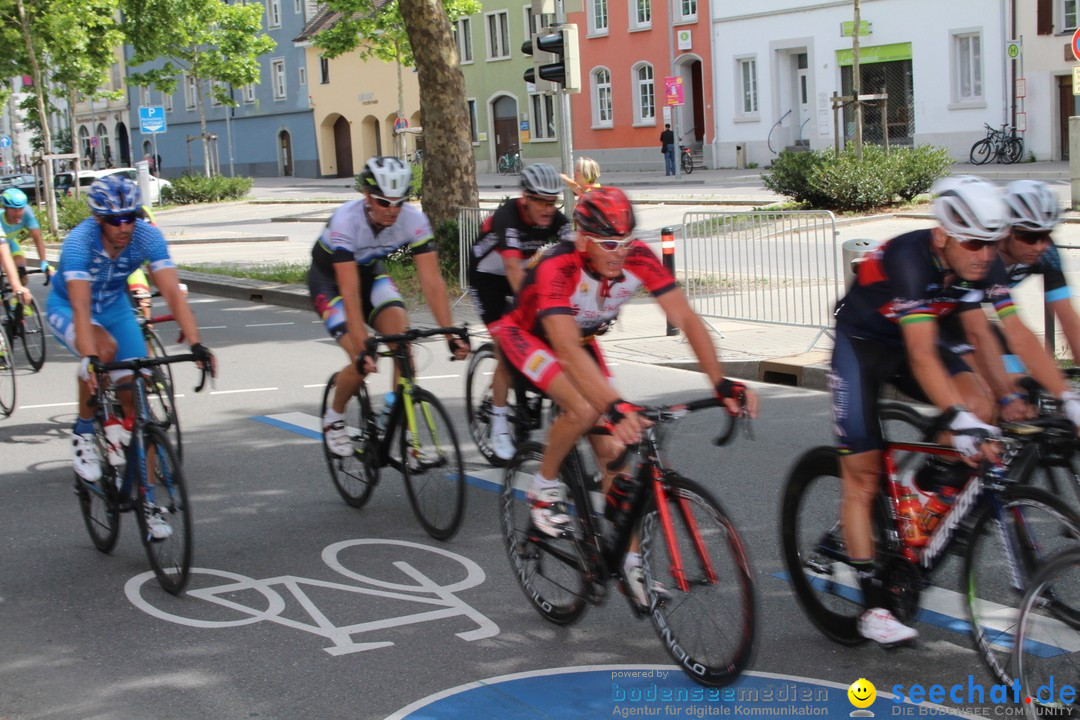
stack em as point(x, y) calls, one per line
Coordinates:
point(23, 322)
point(1004, 530)
point(510, 163)
point(698, 581)
point(687, 159)
point(1001, 145)
point(427, 451)
point(151, 482)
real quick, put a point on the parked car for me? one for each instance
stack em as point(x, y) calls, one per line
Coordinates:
point(23, 181)
point(64, 181)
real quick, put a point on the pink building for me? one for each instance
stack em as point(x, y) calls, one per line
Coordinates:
point(626, 51)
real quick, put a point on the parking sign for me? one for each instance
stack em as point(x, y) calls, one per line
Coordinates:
point(152, 120)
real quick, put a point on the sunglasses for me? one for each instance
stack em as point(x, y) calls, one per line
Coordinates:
point(976, 245)
point(118, 220)
point(387, 202)
point(609, 244)
point(1032, 238)
point(550, 202)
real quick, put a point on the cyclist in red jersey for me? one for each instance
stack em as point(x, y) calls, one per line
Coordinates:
point(572, 292)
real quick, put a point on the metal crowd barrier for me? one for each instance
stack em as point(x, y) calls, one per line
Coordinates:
point(781, 267)
point(469, 220)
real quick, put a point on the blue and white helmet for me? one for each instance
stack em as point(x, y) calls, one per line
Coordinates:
point(13, 198)
point(114, 195)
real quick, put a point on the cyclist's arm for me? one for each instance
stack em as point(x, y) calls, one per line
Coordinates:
point(7, 262)
point(920, 341)
point(1036, 359)
point(434, 289)
point(168, 283)
point(564, 336)
point(39, 243)
point(347, 278)
point(515, 273)
point(988, 351)
point(79, 297)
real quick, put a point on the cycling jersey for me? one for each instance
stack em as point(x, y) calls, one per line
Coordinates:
point(350, 235)
point(1055, 287)
point(507, 233)
point(11, 230)
point(83, 257)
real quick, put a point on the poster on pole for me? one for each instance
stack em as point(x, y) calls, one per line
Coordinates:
point(673, 90)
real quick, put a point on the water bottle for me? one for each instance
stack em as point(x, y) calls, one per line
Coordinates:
point(388, 407)
point(936, 507)
point(618, 497)
point(911, 513)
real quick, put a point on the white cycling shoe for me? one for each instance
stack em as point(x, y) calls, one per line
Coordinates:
point(881, 626)
point(502, 445)
point(548, 509)
point(85, 458)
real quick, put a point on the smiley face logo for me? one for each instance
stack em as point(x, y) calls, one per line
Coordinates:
point(861, 693)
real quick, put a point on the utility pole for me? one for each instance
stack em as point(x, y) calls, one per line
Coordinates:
point(856, 80)
point(677, 150)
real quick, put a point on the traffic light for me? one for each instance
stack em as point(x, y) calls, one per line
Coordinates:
point(555, 58)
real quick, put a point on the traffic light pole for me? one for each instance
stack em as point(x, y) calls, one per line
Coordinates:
point(565, 126)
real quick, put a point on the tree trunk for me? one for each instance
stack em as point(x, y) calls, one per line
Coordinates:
point(46, 135)
point(449, 165)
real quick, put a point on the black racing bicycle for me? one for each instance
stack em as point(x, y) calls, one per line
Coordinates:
point(698, 580)
point(23, 321)
point(426, 451)
point(1001, 145)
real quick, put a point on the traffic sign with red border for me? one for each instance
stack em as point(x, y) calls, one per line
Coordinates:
point(1076, 44)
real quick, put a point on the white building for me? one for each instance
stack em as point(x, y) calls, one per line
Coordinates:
point(1045, 28)
point(777, 64)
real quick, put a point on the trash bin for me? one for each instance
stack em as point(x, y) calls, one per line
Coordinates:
point(142, 174)
point(740, 156)
point(853, 252)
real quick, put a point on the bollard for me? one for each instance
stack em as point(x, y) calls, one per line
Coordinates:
point(667, 248)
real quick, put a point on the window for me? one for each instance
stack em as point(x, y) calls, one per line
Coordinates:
point(302, 75)
point(641, 15)
point(190, 92)
point(543, 116)
point(298, 7)
point(273, 13)
point(474, 133)
point(144, 95)
point(215, 86)
point(748, 104)
point(324, 70)
point(277, 78)
point(166, 100)
point(249, 93)
point(602, 116)
point(686, 10)
point(1068, 14)
point(967, 64)
point(114, 77)
point(498, 36)
point(644, 95)
point(463, 38)
point(598, 17)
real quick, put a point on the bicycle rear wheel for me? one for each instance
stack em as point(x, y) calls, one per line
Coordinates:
point(1014, 150)
point(687, 162)
point(551, 571)
point(354, 476)
point(99, 501)
point(432, 465)
point(1047, 650)
point(709, 628)
point(1036, 526)
point(478, 401)
point(164, 490)
point(981, 152)
point(160, 394)
point(32, 332)
point(7, 377)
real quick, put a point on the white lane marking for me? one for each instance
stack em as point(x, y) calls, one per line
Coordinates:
point(322, 384)
point(268, 324)
point(438, 377)
point(47, 405)
point(245, 390)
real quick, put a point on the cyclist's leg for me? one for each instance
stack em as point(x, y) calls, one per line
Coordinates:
point(383, 304)
point(492, 295)
point(330, 307)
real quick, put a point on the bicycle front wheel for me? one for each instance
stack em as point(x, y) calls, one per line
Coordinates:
point(1014, 150)
point(1047, 650)
point(478, 401)
point(432, 465)
point(7, 377)
point(160, 395)
point(98, 501)
point(550, 570)
point(1035, 525)
point(355, 476)
point(687, 163)
point(32, 332)
point(981, 152)
point(698, 582)
point(163, 492)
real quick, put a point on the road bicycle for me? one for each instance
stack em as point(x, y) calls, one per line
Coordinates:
point(698, 580)
point(510, 163)
point(1046, 653)
point(525, 403)
point(686, 159)
point(161, 396)
point(1003, 529)
point(24, 322)
point(427, 451)
point(7, 377)
point(999, 145)
point(151, 481)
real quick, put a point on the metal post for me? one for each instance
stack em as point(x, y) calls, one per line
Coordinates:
point(856, 80)
point(674, 108)
point(667, 249)
point(565, 127)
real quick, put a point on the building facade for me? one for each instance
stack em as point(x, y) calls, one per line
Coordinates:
point(1044, 29)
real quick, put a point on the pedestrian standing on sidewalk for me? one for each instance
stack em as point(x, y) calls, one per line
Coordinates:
point(667, 148)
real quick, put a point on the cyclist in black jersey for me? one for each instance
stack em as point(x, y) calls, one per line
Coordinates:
point(350, 288)
point(508, 239)
point(887, 332)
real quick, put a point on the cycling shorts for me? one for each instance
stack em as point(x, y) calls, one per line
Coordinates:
point(533, 357)
point(377, 292)
point(491, 294)
point(116, 318)
point(860, 368)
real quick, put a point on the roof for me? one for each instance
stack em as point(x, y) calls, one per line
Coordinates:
point(327, 18)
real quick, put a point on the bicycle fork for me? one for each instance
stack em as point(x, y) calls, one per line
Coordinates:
point(666, 524)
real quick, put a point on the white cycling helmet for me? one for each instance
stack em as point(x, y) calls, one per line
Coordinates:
point(386, 176)
point(541, 179)
point(1032, 206)
point(970, 208)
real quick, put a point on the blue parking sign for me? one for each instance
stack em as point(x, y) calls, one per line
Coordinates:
point(152, 119)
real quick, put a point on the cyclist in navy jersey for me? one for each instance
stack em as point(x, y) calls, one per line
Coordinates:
point(574, 290)
point(89, 312)
point(508, 239)
point(350, 288)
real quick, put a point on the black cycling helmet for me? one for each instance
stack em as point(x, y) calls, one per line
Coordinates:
point(541, 179)
point(605, 212)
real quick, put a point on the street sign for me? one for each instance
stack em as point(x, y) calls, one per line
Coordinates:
point(1074, 44)
point(1021, 88)
point(93, 141)
point(152, 120)
point(1021, 122)
point(5, 141)
point(400, 124)
point(1013, 49)
point(1076, 81)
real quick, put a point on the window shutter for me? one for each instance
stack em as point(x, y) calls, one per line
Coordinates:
point(1044, 22)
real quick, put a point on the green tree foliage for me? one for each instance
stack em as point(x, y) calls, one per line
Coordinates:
point(215, 43)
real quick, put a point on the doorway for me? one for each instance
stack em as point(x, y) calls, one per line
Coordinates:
point(343, 147)
point(123, 143)
point(1066, 109)
point(505, 123)
point(802, 97)
point(285, 153)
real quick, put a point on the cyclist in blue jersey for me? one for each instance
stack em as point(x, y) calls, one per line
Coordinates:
point(88, 308)
point(350, 288)
point(16, 217)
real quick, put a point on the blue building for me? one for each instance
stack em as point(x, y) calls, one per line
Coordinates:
point(269, 133)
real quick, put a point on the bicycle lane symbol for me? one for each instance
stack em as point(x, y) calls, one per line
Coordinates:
point(422, 590)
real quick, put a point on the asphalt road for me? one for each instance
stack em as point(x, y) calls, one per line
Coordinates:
point(302, 607)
